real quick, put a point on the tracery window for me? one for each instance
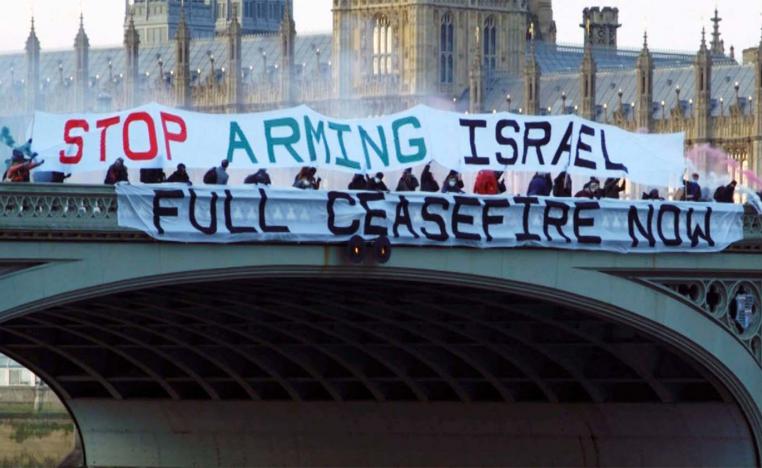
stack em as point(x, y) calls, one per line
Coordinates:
point(489, 41)
point(446, 48)
point(382, 46)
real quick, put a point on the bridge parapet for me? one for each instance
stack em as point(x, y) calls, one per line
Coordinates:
point(70, 210)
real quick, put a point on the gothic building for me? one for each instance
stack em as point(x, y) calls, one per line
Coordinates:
point(386, 55)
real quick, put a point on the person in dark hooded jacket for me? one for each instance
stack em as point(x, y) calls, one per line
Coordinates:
point(428, 182)
point(540, 185)
point(453, 183)
point(725, 193)
point(376, 183)
point(612, 189)
point(179, 176)
point(592, 189)
point(261, 177)
point(562, 185)
point(358, 182)
point(408, 182)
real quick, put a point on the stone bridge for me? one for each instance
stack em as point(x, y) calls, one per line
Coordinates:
point(231, 355)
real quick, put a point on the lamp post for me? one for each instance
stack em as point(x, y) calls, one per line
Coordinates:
point(563, 102)
point(508, 100)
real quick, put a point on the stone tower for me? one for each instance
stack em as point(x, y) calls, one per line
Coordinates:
point(587, 83)
point(82, 50)
point(387, 46)
point(541, 15)
point(645, 87)
point(182, 65)
point(132, 50)
point(532, 75)
point(32, 70)
point(703, 76)
point(601, 25)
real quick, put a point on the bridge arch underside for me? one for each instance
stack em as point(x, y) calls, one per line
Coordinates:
point(342, 371)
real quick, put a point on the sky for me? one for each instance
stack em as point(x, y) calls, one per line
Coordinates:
point(671, 24)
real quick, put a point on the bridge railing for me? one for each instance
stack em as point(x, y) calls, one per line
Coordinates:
point(60, 210)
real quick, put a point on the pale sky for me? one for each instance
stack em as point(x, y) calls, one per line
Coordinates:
point(671, 24)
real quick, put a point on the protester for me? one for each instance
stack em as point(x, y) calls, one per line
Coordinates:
point(486, 183)
point(652, 195)
point(692, 189)
point(261, 177)
point(376, 183)
point(358, 182)
point(501, 188)
point(562, 185)
point(590, 190)
point(725, 193)
point(217, 175)
point(540, 185)
point(408, 182)
point(428, 182)
point(612, 189)
point(305, 179)
point(180, 175)
point(453, 183)
point(116, 173)
point(20, 167)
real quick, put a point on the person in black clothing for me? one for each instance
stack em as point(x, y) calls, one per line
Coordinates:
point(408, 182)
point(358, 182)
point(261, 177)
point(652, 195)
point(540, 185)
point(428, 182)
point(117, 172)
point(590, 190)
point(612, 189)
point(501, 188)
point(562, 185)
point(453, 183)
point(692, 189)
point(376, 183)
point(179, 176)
point(306, 180)
point(724, 194)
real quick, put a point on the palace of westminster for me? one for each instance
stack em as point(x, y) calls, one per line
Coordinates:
point(387, 55)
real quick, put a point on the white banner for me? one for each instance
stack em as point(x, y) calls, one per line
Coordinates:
point(154, 136)
point(257, 214)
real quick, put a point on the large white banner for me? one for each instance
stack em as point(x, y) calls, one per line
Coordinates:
point(257, 214)
point(154, 136)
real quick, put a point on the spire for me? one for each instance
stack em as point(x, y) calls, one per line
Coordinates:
point(645, 87)
point(703, 39)
point(32, 42)
point(645, 40)
point(182, 63)
point(132, 49)
point(717, 46)
point(532, 75)
point(287, 37)
point(32, 69)
point(587, 83)
point(81, 41)
point(233, 78)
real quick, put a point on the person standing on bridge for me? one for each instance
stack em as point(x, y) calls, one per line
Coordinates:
point(562, 185)
point(540, 186)
point(591, 189)
point(305, 179)
point(20, 167)
point(261, 177)
point(453, 183)
point(408, 182)
point(428, 182)
point(486, 183)
point(725, 193)
point(116, 173)
point(376, 183)
point(358, 182)
point(180, 176)
point(692, 189)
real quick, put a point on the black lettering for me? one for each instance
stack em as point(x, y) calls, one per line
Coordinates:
point(472, 125)
point(504, 140)
point(536, 143)
point(566, 145)
point(212, 228)
point(402, 217)
point(263, 218)
point(580, 222)
point(339, 230)
point(610, 165)
point(369, 228)
point(489, 220)
point(697, 233)
point(229, 217)
point(582, 146)
point(435, 218)
point(633, 221)
point(527, 202)
point(159, 211)
point(675, 211)
point(458, 218)
point(558, 222)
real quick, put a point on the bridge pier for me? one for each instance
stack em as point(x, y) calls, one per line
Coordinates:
point(165, 433)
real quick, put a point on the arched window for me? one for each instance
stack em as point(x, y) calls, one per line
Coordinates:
point(446, 48)
point(490, 44)
point(382, 46)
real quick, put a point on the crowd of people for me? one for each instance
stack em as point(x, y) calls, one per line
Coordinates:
point(488, 182)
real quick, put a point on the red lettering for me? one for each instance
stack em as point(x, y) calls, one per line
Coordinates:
point(105, 124)
point(153, 147)
point(177, 137)
point(73, 140)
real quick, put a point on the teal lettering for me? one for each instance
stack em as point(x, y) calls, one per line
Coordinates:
point(344, 159)
point(286, 142)
point(418, 143)
point(314, 136)
point(381, 151)
point(238, 141)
